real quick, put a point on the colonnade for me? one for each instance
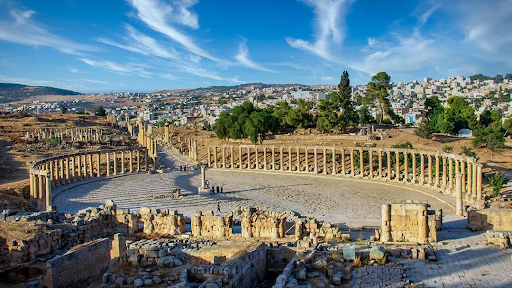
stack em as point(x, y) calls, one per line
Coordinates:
point(434, 170)
point(52, 172)
point(146, 139)
point(92, 135)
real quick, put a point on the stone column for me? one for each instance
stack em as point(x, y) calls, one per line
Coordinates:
point(397, 175)
point(281, 158)
point(388, 152)
point(479, 182)
point(138, 160)
point(444, 173)
point(380, 163)
point(386, 223)
point(370, 157)
point(470, 181)
point(406, 167)
point(203, 177)
point(90, 165)
point(79, 168)
point(67, 170)
point(240, 163)
point(146, 160)
point(215, 157)
point(223, 157)
point(86, 173)
point(98, 164)
point(422, 169)
point(32, 189)
point(122, 162)
point(258, 157)
point(413, 168)
point(249, 157)
point(457, 166)
point(343, 170)
point(209, 156)
point(422, 224)
point(429, 169)
point(115, 162)
point(131, 160)
point(325, 161)
point(307, 159)
point(450, 175)
point(458, 195)
point(463, 172)
point(108, 163)
point(290, 158)
point(473, 190)
point(352, 172)
point(232, 157)
point(48, 194)
point(273, 158)
point(42, 189)
point(62, 176)
point(334, 172)
point(316, 161)
point(437, 170)
point(298, 159)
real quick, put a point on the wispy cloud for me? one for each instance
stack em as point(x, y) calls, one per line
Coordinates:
point(169, 77)
point(328, 78)
point(24, 30)
point(142, 44)
point(159, 15)
point(133, 68)
point(328, 17)
point(201, 72)
point(243, 58)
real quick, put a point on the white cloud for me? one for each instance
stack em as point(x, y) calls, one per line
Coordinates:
point(26, 31)
point(243, 58)
point(74, 70)
point(158, 16)
point(328, 78)
point(169, 77)
point(328, 17)
point(32, 82)
point(142, 44)
point(201, 72)
point(133, 68)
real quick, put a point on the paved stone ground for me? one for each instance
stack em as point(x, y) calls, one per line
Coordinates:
point(464, 260)
point(351, 202)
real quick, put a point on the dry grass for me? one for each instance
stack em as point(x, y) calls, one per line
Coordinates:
point(20, 230)
point(357, 262)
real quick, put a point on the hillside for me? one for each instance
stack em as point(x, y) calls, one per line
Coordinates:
point(16, 92)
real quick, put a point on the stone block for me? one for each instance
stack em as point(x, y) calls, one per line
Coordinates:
point(349, 252)
point(377, 253)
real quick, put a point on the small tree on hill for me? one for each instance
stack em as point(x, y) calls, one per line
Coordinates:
point(100, 111)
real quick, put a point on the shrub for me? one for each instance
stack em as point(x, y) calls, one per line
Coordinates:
point(497, 181)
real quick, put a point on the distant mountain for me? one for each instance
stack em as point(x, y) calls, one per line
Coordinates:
point(15, 92)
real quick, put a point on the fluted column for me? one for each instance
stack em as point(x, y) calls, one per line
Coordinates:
point(422, 168)
point(90, 166)
point(257, 157)
point(223, 157)
point(450, 175)
point(79, 166)
point(473, 189)
point(290, 159)
point(429, 169)
point(130, 153)
point(470, 181)
point(115, 162)
point(67, 170)
point(463, 172)
point(86, 173)
point(298, 159)
point(215, 157)
point(444, 173)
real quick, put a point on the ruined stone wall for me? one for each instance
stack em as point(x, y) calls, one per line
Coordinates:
point(162, 222)
point(209, 225)
point(79, 267)
point(409, 222)
point(490, 219)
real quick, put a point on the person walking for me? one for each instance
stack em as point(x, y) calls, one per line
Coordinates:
point(218, 207)
point(4, 213)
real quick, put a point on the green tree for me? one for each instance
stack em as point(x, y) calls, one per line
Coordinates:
point(100, 111)
point(497, 181)
point(299, 117)
point(507, 126)
point(63, 109)
point(281, 110)
point(377, 96)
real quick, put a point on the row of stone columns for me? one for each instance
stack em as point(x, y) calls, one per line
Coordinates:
point(57, 171)
point(434, 170)
point(73, 135)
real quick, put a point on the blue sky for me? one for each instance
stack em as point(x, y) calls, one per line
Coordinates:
point(147, 45)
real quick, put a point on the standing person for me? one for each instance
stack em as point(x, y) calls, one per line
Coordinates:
point(222, 189)
point(4, 213)
point(218, 189)
point(218, 207)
